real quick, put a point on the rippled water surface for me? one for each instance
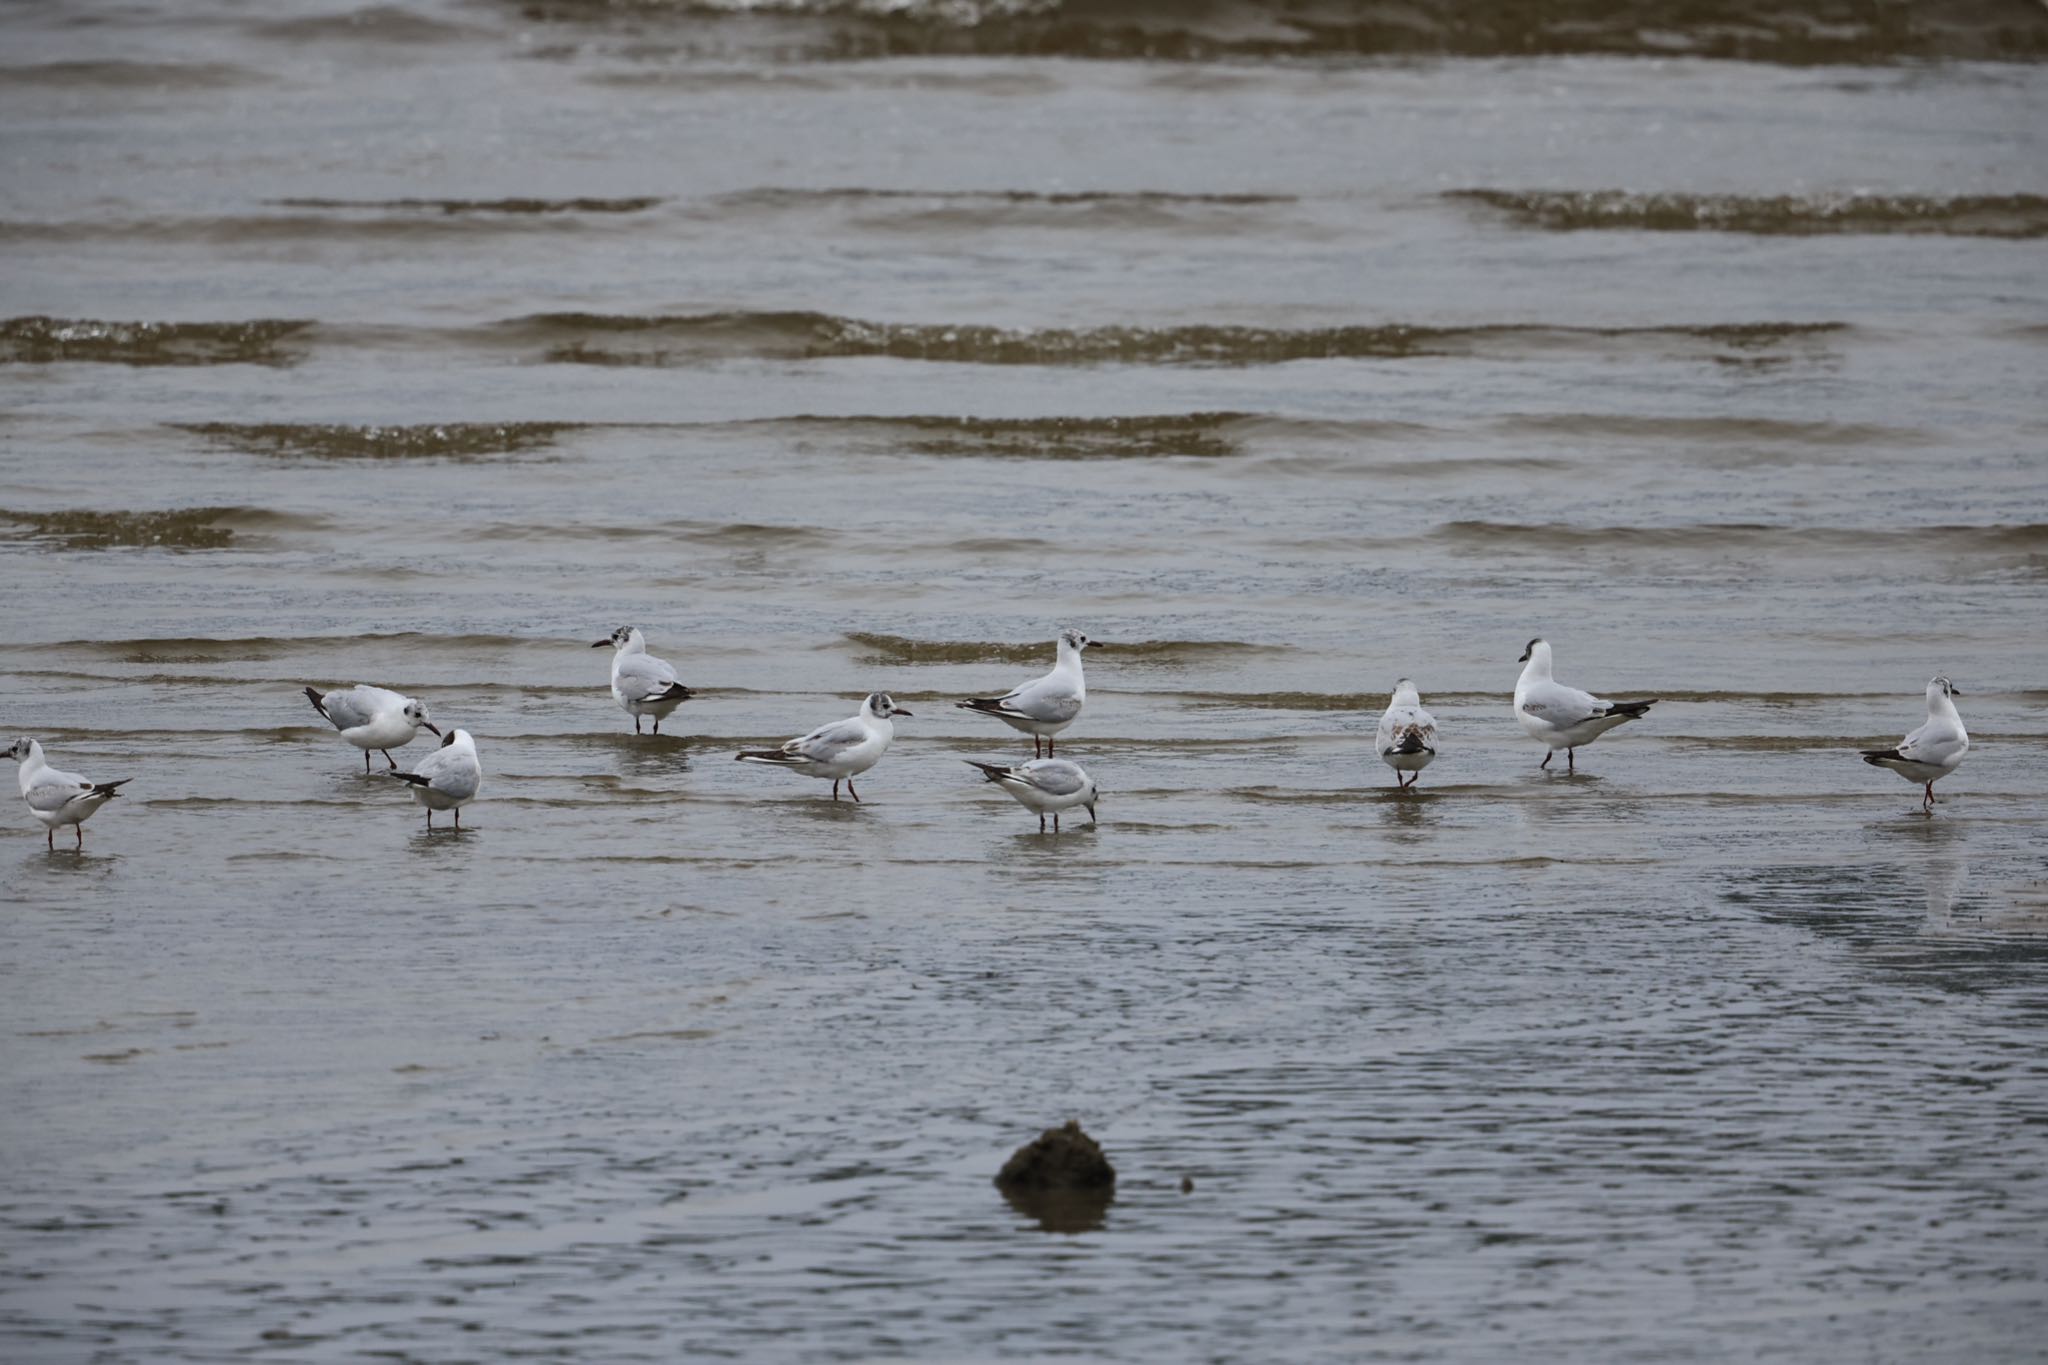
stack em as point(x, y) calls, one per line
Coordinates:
point(1289, 349)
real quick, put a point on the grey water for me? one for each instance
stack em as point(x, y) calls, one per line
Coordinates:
point(862, 347)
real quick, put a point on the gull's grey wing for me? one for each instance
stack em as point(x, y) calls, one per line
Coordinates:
point(1556, 704)
point(1400, 722)
point(55, 791)
point(641, 676)
point(348, 707)
point(1936, 741)
point(451, 773)
point(1050, 698)
point(1053, 776)
point(827, 742)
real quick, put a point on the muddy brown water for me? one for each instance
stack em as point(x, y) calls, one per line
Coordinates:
point(845, 348)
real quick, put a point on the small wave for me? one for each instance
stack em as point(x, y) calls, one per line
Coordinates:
point(195, 528)
point(132, 75)
point(1203, 434)
point(374, 23)
point(900, 649)
point(448, 441)
point(2012, 216)
point(1734, 537)
point(1802, 32)
point(1775, 431)
point(46, 340)
point(475, 206)
point(671, 339)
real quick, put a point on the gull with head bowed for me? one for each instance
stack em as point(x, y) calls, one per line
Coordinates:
point(1407, 735)
point(641, 683)
point(840, 751)
point(1561, 717)
point(1045, 706)
point(1044, 786)
point(372, 718)
point(59, 798)
point(1934, 750)
point(448, 778)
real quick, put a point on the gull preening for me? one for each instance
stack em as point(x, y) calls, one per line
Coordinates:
point(59, 798)
point(1560, 717)
point(1044, 706)
point(641, 683)
point(1407, 735)
point(1934, 750)
point(372, 718)
point(448, 778)
point(1044, 786)
point(840, 751)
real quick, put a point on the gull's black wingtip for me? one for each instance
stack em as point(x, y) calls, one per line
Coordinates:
point(314, 695)
point(994, 772)
point(1877, 758)
point(1632, 709)
point(413, 779)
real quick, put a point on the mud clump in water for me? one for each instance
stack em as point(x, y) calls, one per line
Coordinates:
point(1061, 1178)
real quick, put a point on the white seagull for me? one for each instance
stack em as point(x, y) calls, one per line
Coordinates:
point(1045, 706)
point(58, 798)
point(1045, 786)
point(372, 718)
point(840, 751)
point(1931, 752)
point(641, 683)
point(448, 778)
point(1560, 717)
point(1407, 735)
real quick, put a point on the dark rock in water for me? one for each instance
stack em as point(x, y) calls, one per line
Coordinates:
point(1061, 1178)
point(1058, 1159)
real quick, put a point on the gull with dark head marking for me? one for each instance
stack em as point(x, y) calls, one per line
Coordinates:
point(641, 683)
point(448, 778)
point(1044, 706)
point(372, 718)
point(840, 751)
point(1044, 786)
point(1407, 735)
point(1561, 717)
point(59, 798)
point(1934, 750)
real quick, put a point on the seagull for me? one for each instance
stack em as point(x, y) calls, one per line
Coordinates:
point(643, 684)
point(1560, 717)
point(1044, 707)
point(1044, 785)
point(59, 798)
point(1407, 735)
point(372, 718)
point(448, 778)
point(1927, 755)
point(842, 750)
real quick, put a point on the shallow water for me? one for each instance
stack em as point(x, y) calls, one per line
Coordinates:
point(425, 345)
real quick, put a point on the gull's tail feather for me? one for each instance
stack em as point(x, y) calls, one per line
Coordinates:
point(994, 772)
point(1878, 758)
point(315, 696)
point(1631, 709)
point(775, 756)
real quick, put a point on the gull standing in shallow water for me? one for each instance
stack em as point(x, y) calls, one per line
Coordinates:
point(1045, 786)
point(641, 683)
point(1045, 706)
point(1560, 717)
point(372, 718)
point(59, 798)
point(1934, 750)
point(448, 778)
point(840, 751)
point(1407, 735)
